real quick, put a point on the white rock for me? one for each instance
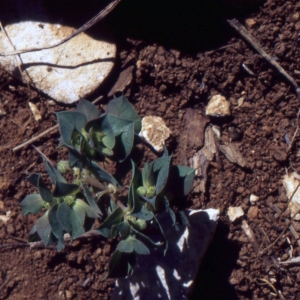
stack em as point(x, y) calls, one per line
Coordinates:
point(155, 132)
point(218, 106)
point(157, 276)
point(253, 198)
point(65, 73)
point(35, 111)
point(290, 182)
point(6, 217)
point(234, 213)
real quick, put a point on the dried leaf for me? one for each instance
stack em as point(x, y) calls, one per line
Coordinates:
point(233, 154)
point(123, 80)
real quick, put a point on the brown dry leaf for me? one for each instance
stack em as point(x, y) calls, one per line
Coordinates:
point(232, 153)
point(200, 161)
point(194, 121)
point(123, 80)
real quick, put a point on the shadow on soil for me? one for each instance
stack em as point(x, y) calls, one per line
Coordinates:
point(188, 26)
point(213, 276)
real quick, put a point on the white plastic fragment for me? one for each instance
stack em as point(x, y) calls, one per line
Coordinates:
point(155, 132)
point(290, 182)
point(65, 73)
point(218, 106)
point(253, 198)
point(35, 111)
point(234, 213)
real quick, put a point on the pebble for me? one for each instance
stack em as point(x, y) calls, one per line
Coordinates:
point(218, 106)
point(155, 132)
point(252, 212)
point(235, 213)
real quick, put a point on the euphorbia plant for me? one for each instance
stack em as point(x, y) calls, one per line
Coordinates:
point(93, 194)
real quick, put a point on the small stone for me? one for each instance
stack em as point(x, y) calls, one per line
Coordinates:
point(155, 132)
point(253, 198)
point(10, 229)
point(36, 113)
point(234, 213)
point(240, 189)
point(5, 218)
point(69, 294)
point(250, 22)
point(280, 155)
point(252, 212)
point(37, 255)
point(218, 106)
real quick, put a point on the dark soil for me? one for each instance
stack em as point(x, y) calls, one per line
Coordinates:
point(182, 54)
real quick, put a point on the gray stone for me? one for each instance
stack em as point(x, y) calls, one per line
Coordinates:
point(170, 277)
point(66, 72)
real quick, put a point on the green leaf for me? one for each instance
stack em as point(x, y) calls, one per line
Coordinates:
point(148, 176)
point(132, 244)
point(32, 204)
point(136, 181)
point(90, 199)
point(181, 181)
point(68, 121)
point(88, 109)
point(99, 173)
point(33, 178)
point(69, 220)
point(43, 229)
point(113, 219)
point(124, 132)
point(121, 108)
point(187, 176)
point(121, 264)
point(44, 191)
point(81, 208)
point(123, 228)
point(53, 173)
point(162, 166)
point(64, 189)
point(102, 125)
point(56, 227)
point(145, 239)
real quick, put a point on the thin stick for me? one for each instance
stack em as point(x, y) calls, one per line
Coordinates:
point(35, 138)
point(83, 28)
point(55, 127)
point(255, 44)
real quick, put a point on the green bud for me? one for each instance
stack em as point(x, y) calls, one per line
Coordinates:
point(69, 199)
point(142, 191)
point(64, 167)
point(150, 192)
point(46, 205)
point(140, 224)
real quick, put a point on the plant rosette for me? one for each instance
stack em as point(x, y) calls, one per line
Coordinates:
point(74, 207)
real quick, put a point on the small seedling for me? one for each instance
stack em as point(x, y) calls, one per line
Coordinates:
point(93, 193)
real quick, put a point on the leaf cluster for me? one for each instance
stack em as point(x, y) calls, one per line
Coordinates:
point(93, 194)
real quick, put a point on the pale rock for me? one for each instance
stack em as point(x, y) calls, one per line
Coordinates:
point(155, 132)
point(250, 22)
point(253, 198)
point(290, 182)
point(218, 106)
point(6, 217)
point(157, 276)
point(235, 213)
point(35, 111)
point(65, 73)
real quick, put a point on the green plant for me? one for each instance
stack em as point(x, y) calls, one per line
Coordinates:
point(94, 193)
